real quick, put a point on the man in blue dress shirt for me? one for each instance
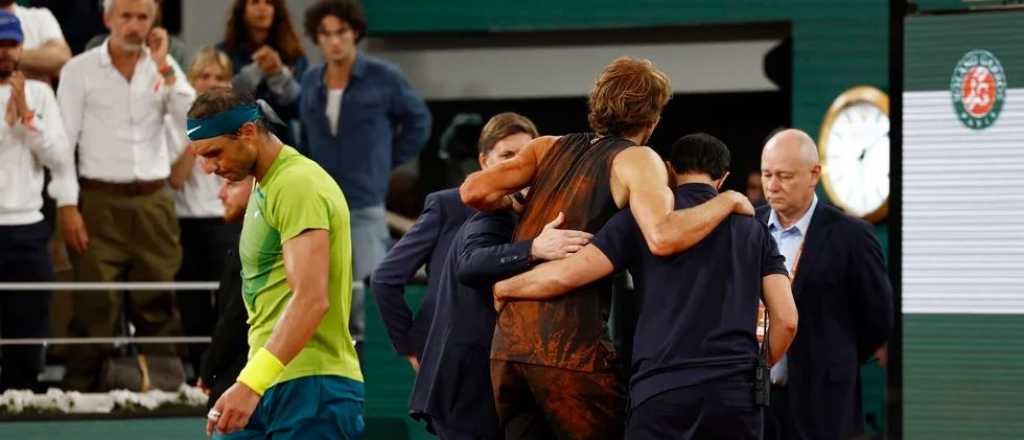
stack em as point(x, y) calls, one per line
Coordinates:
point(842, 291)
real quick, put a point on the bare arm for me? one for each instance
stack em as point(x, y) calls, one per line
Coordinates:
point(644, 180)
point(555, 278)
point(782, 315)
point(181, 169)
point(486, 190)
point(46, 61)
point(306, 262)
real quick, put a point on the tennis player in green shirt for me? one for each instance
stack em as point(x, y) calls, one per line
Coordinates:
point(302, 379)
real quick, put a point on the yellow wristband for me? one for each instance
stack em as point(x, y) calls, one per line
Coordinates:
point(261, 371)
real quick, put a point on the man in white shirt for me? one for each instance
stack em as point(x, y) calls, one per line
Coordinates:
point(31, 136)
point(114, 99)
point(44, 49)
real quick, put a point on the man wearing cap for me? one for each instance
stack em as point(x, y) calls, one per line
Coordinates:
point(31, 136)
point(302, 379)
point(114, 99)
point(44, 49)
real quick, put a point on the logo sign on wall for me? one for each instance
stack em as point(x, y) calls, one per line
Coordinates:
point(978, 88)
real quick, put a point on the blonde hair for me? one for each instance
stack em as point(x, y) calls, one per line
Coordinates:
point(209, 56)
point(628, 97)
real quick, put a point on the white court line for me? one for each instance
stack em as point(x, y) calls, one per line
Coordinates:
point(114, 340)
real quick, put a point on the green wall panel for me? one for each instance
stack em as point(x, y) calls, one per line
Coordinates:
point(963, 376)
point(955, 5)
point(389, 378)
point(836, 45)
point(934, 45)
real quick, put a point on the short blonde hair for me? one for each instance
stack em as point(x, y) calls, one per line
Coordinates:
point(628, 97)
point(209, 56)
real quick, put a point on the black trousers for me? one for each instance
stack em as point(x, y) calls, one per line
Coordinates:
point(204, 243)
point(719, 410)
point(445, 432)
point(24, 314)
point(779, 421)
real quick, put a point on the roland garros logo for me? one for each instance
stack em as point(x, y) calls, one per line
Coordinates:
point(978, 87)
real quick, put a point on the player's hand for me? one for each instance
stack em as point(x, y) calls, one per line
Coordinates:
point(202, 386)
point(11, 115)
point(414, 362)
point(72, 228)
point(17, 82)
point(159, 43)
point(883, 356)
point(234, 407)
point(268, 60)
point(499, 304)
point(741, 204)
point(555, 244)
point(519, 208)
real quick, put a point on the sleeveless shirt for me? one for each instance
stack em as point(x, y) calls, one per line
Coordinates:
point(571, 331)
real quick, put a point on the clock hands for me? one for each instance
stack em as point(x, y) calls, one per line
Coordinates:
point(871, 146)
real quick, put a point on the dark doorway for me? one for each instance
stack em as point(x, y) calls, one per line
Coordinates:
point(741, 120)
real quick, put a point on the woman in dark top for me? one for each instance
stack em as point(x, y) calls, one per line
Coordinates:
point(267, 55)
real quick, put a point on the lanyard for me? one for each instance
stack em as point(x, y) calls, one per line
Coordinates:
point(762, 311)
point(796, 262)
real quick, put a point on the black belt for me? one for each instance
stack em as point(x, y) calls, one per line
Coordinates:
point(136, 188)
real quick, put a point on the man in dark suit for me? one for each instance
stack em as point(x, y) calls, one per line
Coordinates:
point(428, 241)
point(842, 293)
point(453, 388)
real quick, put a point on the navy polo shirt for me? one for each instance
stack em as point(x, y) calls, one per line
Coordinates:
point(697, 309)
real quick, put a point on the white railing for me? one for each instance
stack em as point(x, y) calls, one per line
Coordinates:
point(202, 286)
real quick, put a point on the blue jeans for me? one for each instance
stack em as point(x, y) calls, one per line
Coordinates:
point(370, 243)
point(314, 407)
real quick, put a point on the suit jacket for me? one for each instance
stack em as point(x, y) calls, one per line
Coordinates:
point(844, 298)
point(229, 350)
point(454, 383)
point(427, 242)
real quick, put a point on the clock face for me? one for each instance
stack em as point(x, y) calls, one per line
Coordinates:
point(856, 156)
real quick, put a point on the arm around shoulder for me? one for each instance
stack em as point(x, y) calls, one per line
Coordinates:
point(485, 190)
point(644, 180)
point(556, 278)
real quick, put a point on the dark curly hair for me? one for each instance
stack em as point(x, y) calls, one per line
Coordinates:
point(282, 36)
point(627, 97)
point(349, 11)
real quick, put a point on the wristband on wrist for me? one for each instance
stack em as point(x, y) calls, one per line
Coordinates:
point(166, 70)
point(28, 121)
point(261, 371)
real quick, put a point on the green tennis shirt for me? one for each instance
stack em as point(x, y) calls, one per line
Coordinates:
point(294, 196)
